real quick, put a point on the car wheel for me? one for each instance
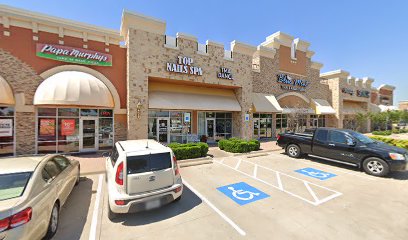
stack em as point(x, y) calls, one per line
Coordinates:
point(78, 177)
point(293, 151)
point(53, 224)
point(376, 167)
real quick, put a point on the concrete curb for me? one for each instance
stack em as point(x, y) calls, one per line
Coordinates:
point(194, 161)
point(256, 153)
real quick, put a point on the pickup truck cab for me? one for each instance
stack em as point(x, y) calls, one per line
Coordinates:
point(141, 175)
point(348, 147)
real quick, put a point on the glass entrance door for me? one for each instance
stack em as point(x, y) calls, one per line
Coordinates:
point(210, 129)
point(88, 134)
point(163, 130)
point(256, 128)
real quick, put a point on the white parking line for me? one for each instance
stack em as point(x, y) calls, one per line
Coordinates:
point(280, 186)
point(94, 223)
point(306, 161)
point(204, 199)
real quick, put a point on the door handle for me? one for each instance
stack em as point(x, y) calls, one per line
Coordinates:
point(332, 144)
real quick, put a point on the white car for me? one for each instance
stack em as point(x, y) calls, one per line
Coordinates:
point(141, 175)
point(32, 193)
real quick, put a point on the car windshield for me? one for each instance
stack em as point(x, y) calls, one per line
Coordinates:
point(13, 185)
point(361, 137)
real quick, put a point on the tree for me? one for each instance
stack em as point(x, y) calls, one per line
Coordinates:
point(379, 120)
point(296, 119)
point(394, 116)
point(361, 119)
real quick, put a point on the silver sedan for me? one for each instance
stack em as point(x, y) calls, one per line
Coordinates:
point(32, 192)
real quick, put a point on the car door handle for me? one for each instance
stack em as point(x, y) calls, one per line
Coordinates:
point(332, 144)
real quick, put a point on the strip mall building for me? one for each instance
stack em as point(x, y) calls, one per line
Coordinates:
point(67, 86)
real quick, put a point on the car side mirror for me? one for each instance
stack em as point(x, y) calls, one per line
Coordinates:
point(106, 154)
point(351, 142)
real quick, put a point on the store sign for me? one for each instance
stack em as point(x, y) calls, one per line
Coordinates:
point(67, 127)
point(225, 73)
point(289, 83)
point(348, 91)
point(363, 93)
point(6, 127)
point(47, 127)
point(73, 55)
point(184, 65)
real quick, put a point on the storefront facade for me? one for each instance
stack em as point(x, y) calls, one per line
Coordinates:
point(69, 87)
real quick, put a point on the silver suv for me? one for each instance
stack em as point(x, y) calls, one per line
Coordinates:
point(141, 175)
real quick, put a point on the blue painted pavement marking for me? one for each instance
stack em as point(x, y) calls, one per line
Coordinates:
point(242, 193)
point(315, 173)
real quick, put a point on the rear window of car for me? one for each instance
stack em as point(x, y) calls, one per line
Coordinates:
point(13, 185)
point(148, 163)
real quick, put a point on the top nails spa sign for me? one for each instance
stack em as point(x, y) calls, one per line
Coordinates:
point(73, 55)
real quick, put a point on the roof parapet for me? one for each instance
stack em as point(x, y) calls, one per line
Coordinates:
point(141, 22)
point(387, 87)
point(276, 39)
point(214, 43)
point(187, 36)
point(266, 51)
point(367, 82)
point(316, 65)
point(301, 45)
point(335, 74)
point(243, 48)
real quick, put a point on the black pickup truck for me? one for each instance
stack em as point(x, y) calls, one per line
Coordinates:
point(348, 147)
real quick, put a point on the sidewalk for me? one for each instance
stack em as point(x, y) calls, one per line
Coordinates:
point(268, 146)
point(94, 163)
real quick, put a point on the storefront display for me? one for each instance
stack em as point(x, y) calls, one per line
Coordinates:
point(6, 131)
point(169, 126)
point(77, 129)
point(262, 125)
point(215, 125)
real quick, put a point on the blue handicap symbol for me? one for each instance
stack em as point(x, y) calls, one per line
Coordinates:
point(312, 172)
point(242, 193)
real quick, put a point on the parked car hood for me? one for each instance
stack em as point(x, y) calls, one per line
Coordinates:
point(388, 148)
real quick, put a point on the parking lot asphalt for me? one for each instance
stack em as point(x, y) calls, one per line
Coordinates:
point(264, 197)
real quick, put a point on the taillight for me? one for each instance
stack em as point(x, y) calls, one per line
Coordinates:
point(120, 202)
point(176, 168)
point(16, 220)
point(278, 137)
point(119, 174)
point(178, 189)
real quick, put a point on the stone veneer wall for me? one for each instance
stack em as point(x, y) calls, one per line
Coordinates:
point(23, 80)
point(265, 81)
point(147, 58)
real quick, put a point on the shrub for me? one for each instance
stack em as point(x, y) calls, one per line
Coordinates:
point(391, 141)
point(236, 145)
point(189, 150)
point(382, 133)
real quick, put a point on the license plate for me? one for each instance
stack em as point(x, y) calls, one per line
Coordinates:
point(152, 204)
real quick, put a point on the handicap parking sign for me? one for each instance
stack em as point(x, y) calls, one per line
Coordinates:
point(242, 193)
point(315, 173)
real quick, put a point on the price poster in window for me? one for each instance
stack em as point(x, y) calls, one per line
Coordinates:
point(6, 127)
point(47, 127)
point(67, 127)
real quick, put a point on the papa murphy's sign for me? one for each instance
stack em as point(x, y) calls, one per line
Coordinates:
point(73, 55)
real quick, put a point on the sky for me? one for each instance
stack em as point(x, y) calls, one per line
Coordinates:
point(365, 38)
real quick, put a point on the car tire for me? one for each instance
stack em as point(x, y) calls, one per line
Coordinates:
point(293, 151)
point(177, 199)
point(376, 167)
point(78, 177)
point(53, 223)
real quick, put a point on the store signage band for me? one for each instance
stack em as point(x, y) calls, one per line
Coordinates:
point(184, 66)
point(363, 93)
point(225, 73)
point(348, 91)
point(291, 83)
point(73, 55)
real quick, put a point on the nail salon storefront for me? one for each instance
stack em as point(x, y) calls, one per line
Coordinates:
point(69, 87)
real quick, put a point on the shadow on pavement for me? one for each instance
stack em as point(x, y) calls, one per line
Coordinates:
point(188, 201)
point(74, 213)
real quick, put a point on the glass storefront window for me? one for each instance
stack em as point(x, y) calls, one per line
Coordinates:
point(61, 133)
point(68, 112)
point(177, 128)
point(7, 124)
point(89, 112)
point(262, 125)
point(223, 125)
